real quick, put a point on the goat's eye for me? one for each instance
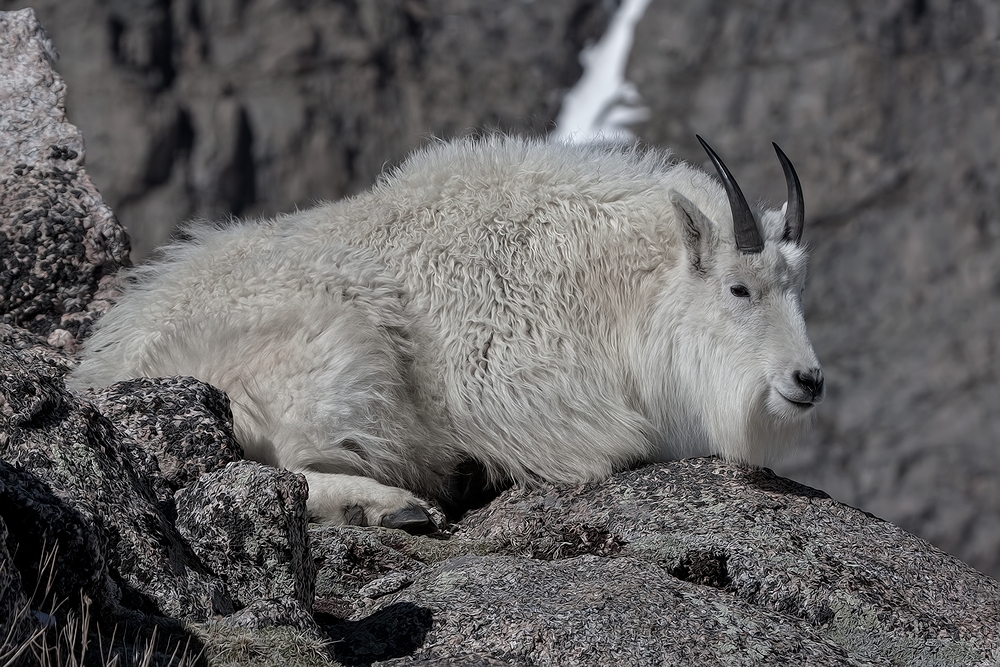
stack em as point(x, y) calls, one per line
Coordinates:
point(740, 291)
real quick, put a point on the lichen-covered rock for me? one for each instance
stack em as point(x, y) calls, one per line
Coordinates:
point(186, 424)
point(60, 244)
point(874, 589)
point(70, 479)
point(689, 562)
point(349, 559)
point(36, 348)
point(247, 523)
point(583, 610)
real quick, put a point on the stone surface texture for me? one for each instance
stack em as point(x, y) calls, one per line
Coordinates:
point(691, 562)
point(60, 244)
point(247, 523)
point(187, 425)
point(139, 493)
point(70, 477)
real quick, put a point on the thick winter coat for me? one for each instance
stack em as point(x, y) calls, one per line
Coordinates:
point(555, 312)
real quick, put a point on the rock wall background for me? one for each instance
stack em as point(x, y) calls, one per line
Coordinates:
point(889, 111)
point(218, 107)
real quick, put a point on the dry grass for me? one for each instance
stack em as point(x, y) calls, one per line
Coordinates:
point(262, 647)
point(73, 638)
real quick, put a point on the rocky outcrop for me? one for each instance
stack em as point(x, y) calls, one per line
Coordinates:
point(60, 244)
point(890, 112)
point(138, 495)
point(692, 562)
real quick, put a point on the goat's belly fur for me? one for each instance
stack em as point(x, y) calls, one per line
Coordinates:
point(477, 302)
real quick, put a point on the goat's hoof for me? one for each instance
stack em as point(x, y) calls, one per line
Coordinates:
point(413, 519)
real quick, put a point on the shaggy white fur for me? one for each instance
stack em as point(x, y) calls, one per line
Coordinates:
point(556, 312)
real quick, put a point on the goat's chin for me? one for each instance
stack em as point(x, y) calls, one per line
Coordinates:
point(786, 409)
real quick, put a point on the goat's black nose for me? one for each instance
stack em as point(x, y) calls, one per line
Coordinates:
point(811, 381)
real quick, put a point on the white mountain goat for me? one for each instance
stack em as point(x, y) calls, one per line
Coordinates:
point(554, 312)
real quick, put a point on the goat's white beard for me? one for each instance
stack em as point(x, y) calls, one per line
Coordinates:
point(783, 410)
point(767, 428)
point(744, 417)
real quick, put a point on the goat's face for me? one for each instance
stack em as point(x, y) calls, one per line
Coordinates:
point(751, 306)
point(739, 372)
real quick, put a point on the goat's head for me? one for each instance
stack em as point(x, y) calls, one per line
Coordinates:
point(743, 374)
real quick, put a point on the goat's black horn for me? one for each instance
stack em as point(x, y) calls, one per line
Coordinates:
point(795, 212)
point(748, 237)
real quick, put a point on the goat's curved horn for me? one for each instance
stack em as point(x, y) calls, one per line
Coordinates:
point(748, 238)
point(795, 212)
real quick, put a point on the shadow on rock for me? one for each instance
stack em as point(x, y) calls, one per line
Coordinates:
point(394, 632)
point(765, 480)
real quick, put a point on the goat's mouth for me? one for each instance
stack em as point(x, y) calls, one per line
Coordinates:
point(803, 405)
point(798, 403)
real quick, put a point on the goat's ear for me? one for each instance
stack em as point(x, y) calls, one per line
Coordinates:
point(697, 232)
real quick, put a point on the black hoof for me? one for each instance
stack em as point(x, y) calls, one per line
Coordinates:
point(414, 519)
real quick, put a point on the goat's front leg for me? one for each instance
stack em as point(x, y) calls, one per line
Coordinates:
point(352, 500)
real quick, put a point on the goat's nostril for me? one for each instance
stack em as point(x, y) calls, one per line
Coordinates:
point(811, 381)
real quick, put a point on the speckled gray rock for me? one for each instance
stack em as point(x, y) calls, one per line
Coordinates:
point(349, 559)
point(690, 562)
point(69, 477)
point(60, 244)
point(73, 479)
point(585, 610)
point(247, 523)
point(876, 590)
point(186, 424)
point(36, 348)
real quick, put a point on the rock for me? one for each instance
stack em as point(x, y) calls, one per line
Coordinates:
point(73, 481)
point(889, 111)
point(185, 424)
point(689, 562)
point(60, 244)
point(70, 478)
point(247, 523)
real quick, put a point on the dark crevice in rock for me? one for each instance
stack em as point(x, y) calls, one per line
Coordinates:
point(706, 568)
point(393, 632)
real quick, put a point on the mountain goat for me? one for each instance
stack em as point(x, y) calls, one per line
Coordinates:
point(554, 312)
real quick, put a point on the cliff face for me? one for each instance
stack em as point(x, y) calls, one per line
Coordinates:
point(195, 108)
